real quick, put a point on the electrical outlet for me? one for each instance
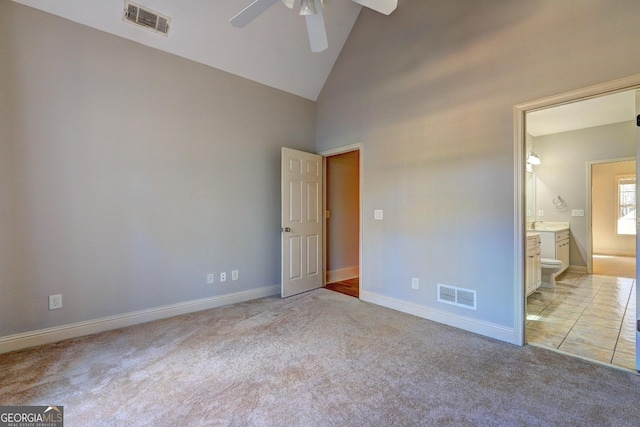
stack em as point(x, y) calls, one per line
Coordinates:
point(223, 277)
point(55, 302)
point(415, 283)
point(540, 213)
point(234, 275)
point(378, 214)
point(211, 278)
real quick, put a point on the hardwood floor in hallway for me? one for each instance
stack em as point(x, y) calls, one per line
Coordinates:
point(349, 287)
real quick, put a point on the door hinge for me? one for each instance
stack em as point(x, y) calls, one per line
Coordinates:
point(638, 120)
point(638, 326)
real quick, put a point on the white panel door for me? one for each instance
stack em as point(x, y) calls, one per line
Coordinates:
point(301, 222)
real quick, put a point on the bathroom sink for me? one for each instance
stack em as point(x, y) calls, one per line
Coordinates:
point(549, 226)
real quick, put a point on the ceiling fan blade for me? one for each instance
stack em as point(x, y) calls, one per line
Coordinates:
point(251, 12)
point(289, 3)
point(316, 29)
point(383, 6)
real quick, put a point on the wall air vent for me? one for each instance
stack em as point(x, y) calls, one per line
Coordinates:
point(146, 18)
point(457, 296)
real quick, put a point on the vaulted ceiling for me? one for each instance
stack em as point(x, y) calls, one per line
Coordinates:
point(272, 50)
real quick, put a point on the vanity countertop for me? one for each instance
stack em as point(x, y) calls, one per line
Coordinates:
point(549, 226)
point(532, 233)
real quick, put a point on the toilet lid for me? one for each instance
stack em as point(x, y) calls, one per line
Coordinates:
point(551, 261)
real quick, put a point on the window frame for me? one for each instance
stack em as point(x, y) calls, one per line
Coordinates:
point(620, 180)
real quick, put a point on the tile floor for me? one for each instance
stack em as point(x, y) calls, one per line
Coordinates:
point(592, 316)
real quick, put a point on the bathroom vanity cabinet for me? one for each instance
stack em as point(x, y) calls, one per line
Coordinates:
point(533, 269)
point(555, 245)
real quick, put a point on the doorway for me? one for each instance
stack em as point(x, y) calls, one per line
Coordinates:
point(342, 221)
point(568, 208)
point(612, 226)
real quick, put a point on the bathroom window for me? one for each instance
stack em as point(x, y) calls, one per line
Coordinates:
point(626, 185)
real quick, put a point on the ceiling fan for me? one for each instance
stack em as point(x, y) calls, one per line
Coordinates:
point(312, 11)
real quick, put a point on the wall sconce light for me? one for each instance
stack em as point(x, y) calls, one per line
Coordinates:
point(533, 158)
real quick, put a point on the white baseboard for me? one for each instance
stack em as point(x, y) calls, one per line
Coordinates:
point(577, 269)
point(343, 274)
point(492, 330)
point(606, 252)
point(74, 330)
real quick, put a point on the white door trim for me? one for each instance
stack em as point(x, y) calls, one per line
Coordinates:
point(335, 151)
point(519, 224)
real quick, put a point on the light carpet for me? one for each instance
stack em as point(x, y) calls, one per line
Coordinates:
point(316, 359)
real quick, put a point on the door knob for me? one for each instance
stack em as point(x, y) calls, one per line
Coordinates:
point(286, 229)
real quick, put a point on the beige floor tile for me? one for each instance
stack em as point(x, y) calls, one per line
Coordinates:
point(534, 308)
point(586, 315)
point(627, 340)
point(542, 297)
point(625, 347)
point(609, 304)
point(603, 313)
point(627, 334)
point(604, 338)
point(543, 338)
point(614, 324)
point(568, 308)
point(534, 305)
point(587, 293)
point(554, 319)
point(575, 301)
point(615, 291)
point(553, 329)
point(622, 297)
point(586, 350)
point(625, 360)
point(560, 314)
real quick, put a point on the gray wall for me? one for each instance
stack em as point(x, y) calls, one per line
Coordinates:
point(431, 98)
point(127, 174)
point(563, 172)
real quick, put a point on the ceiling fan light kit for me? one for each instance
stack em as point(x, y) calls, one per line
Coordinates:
point(312, 11)
point(308, 8)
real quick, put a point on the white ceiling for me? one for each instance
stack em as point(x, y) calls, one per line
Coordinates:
point(272, 50)
point(603, 110)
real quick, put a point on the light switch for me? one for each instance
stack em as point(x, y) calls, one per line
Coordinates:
point(377, 214)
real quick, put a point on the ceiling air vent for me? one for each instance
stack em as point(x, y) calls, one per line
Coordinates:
point(146, 18)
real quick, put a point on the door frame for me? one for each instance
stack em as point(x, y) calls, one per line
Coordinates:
point(589, 212)
point(333, 152)
point(519, 152)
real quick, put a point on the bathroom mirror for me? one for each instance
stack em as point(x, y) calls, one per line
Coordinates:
point(530, 195)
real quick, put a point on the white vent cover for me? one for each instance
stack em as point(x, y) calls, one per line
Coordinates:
point(457, 296)
point(146, 17)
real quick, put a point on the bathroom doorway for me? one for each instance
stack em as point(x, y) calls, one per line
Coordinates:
point(342, 221)
point(552, 318)
point(612, 251)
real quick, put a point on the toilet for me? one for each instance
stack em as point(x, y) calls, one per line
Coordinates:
point(550, 267)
